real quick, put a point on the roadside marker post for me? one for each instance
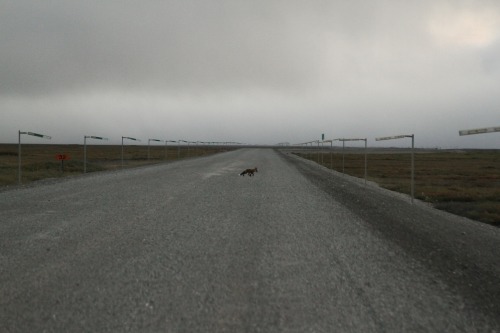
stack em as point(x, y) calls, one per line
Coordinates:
point(331, 150)
point(128, 138)
point(179, 147)
point(331, 154)
point(322, 141)
point(412, 136)
point(166, 150)
point(19, 150)
point(343, 154)
point(322, 147)
point(317, 142)
point(85, 137)
point(155, 140)
point(366, 154)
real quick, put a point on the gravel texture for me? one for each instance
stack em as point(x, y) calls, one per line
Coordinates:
point(191, 246)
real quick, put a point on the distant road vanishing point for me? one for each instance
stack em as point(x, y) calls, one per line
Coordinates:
point(190, 246)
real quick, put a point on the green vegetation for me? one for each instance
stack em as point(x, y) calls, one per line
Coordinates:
point(38, 161)
point(465, 183)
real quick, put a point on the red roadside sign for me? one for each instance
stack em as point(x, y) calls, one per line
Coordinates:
point(62, 157)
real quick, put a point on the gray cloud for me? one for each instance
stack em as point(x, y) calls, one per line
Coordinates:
point(265, 71)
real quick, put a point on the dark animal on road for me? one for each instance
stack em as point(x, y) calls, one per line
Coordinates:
point(249, 172)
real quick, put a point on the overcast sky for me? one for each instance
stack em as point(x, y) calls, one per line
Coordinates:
point(259, 71)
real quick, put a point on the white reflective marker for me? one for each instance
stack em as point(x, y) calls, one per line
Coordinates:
point(479, 131)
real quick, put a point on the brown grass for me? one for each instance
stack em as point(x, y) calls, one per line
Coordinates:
point(39, 161)
point(465, 183)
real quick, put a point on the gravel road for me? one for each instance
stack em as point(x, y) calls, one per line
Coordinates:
point(190, 246)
